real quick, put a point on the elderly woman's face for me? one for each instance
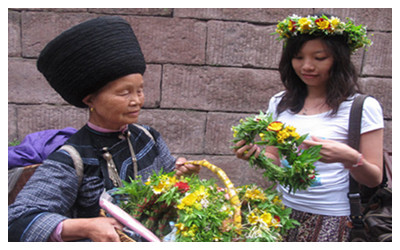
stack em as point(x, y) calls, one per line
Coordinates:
point(118, 103)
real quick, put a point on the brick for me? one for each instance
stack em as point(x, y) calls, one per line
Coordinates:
point(218, 88)
point(378, 58)
point(35, 118)
point(257, 15)
point(218, 132)
point(242, 45)
point(183, 131)
point(381, 89)
point(170, 40)
point(27, 85)
point(38, 28)
point(14, 31)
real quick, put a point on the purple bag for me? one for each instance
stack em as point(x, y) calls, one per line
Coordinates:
point(36, 147)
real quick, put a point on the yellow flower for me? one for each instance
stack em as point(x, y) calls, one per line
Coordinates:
point(322, 23)
point(282, 135)
point(252, 218)
point(255, 194)
point(335, 22)
point(267, 218)
point(305, 24)
point(277, 200)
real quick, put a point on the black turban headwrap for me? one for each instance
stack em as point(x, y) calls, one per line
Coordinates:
point(86, 57)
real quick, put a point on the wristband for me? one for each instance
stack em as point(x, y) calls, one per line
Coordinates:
point(359, 161)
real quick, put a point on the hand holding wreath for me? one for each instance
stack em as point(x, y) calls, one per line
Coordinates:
point(299, 173)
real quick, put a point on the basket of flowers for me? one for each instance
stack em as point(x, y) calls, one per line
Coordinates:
point(191, 209)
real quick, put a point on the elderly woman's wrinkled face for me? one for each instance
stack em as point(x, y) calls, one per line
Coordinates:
point(118, 103)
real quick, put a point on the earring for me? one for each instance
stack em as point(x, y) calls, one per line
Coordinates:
point(91, 109)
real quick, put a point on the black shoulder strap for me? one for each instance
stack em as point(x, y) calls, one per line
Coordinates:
point(354, 142)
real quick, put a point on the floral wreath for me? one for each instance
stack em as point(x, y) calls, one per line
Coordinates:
point(294, 25)
point(299, 171)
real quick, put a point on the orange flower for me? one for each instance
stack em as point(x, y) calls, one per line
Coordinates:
point(275, 126)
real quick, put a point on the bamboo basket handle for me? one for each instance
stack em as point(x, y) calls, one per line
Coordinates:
point(233, 197)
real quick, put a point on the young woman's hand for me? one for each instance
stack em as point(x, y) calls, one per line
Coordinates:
point(244, 151)
point(333, 151)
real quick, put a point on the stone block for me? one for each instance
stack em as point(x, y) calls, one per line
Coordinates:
point(134, 11)
point(242, 45)
point(238, 171)
point(218, 88)
point(218, 132)
point(35, 118)
point(381, 89)
point(183, 131)
point(38, 28)
point(256, 15)
point(152, 86)
point(27, 85)
point(170, 40)
point(12, 123)
point(14, 31)
point(378, 58)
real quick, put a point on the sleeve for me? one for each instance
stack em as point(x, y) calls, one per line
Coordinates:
point(45, 200)
point(165, 159)
point(372, 116)
point(273, 104)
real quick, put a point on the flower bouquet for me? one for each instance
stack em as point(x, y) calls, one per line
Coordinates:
point(298, 172)
point(189, 209)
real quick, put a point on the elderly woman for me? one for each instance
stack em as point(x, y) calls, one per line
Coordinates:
point(97, 65)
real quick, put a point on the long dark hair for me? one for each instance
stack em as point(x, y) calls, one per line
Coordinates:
point(343, 78)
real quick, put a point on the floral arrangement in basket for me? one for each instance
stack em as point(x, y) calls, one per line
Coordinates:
point(299, 172)
point(203, 212)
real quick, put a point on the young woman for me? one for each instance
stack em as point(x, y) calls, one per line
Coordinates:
point(97, 64)
point(321, 84)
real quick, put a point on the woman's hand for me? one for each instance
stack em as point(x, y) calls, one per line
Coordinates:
point(99, 229)
point(333, 151)
point(244, 152)
point(188, 169)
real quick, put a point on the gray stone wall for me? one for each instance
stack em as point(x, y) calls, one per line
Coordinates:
point(207, 68)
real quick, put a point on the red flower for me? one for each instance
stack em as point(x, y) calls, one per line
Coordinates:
point(183, 187)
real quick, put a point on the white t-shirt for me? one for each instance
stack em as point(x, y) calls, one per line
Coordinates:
point(328, 194)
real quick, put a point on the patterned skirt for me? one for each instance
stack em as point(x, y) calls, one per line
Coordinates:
point(318, 228)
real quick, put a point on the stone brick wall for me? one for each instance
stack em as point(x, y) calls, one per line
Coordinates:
point(207, 68)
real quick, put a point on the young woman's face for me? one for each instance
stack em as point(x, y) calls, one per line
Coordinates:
point(313, 63)
point(118, 103)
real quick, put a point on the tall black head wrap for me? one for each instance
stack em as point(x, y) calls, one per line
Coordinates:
point(86, 57)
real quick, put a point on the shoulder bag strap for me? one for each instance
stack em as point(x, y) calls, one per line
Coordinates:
point(76, 158)
point(354, 142)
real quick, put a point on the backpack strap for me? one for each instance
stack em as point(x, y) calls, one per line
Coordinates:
point(76, 158)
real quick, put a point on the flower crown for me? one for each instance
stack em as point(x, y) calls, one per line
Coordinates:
point(323, 26)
